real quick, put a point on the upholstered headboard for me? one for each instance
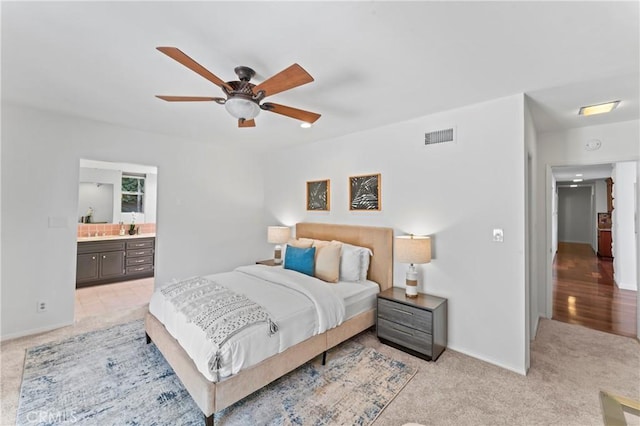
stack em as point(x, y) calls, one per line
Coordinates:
point(379, 240)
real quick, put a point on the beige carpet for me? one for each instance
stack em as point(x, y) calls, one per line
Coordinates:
point(570, 364)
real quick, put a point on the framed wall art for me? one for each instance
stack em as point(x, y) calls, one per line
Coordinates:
point(319, 195)
point(364, 192)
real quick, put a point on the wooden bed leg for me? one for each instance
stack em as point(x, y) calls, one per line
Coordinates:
point(148, 338)
point(324, 358)
point(210, 421)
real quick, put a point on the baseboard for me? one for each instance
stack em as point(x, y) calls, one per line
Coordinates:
point(33, 331)
point(522, 371)
point(625, 286)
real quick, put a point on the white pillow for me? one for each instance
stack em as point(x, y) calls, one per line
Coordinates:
point(354, 262)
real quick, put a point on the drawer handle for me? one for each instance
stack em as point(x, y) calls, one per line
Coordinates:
point(400, 310)
point(93, 258)
point(139, 260)
point(401, 331)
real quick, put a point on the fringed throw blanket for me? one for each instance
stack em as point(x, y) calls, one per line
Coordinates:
point(216, 310)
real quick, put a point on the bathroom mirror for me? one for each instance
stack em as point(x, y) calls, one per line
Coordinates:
point(116, 192)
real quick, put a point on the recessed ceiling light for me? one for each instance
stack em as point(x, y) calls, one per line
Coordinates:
point(578, 174)
point(573, 186)
point(577, 180)
point(305, 125)
point(598, 108)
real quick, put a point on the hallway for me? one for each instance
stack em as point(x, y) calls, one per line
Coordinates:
point(584, 292)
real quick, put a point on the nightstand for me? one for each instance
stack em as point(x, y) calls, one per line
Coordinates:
point(414, 325)
point(268, 262)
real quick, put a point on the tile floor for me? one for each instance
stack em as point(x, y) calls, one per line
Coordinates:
point(107, 298)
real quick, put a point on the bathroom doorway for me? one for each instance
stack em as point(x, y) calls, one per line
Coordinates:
point(116, 237)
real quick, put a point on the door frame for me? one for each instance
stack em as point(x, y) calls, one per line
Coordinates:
point(549, 255)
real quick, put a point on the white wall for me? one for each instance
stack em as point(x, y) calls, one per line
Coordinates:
point(637, 233)
point(624, 253)
point(574, 215)
point(455, 192)
point(619, 143)
point(531, 226)
point(207, 221)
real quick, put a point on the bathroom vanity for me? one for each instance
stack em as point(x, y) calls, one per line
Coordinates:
point(114, 258)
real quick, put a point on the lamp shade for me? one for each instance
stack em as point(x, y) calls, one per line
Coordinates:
point(278, 234)
point(242, 108)
point(413, 249)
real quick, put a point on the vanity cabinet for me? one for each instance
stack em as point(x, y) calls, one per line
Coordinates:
point(87, 267)
point(108, 261)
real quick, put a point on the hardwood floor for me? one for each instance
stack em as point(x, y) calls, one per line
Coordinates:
point(584, 292)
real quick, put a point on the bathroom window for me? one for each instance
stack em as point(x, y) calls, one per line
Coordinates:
point(132, 193)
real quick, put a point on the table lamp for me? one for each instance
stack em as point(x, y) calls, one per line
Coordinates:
point(278, 235)
point(413, 249)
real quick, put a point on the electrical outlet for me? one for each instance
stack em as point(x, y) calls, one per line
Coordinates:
point(498, 236)
point(42, 306)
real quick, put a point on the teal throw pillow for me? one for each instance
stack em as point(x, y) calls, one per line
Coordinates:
point(300, 259)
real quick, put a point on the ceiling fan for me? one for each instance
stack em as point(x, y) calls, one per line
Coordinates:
point(243, 98)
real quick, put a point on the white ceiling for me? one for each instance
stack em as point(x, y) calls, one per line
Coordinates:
point(591, 172)
point(374, 63)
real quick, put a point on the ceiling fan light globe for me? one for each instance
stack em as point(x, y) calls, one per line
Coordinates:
point(242, 108)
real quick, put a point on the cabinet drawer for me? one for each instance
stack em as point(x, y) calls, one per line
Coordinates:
point(95, 247)
point(132, 261)
point(139, 244)
point(403, 314)
point(139, 269)
point(140, 252)
point(405, 336)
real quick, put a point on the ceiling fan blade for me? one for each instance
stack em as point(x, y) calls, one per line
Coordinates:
point(289, 78)
point(187, 98)
point(246, 123)
point(299, 114)
point(178, 55)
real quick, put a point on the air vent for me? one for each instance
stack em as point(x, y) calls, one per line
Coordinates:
point(439, 136)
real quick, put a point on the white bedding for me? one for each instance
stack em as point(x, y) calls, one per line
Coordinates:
point(302, 306)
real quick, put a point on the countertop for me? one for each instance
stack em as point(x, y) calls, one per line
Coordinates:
point(115, 237)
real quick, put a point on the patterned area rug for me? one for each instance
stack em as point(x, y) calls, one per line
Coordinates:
point(111, 377)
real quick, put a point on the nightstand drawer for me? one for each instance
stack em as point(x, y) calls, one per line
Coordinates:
point(403, 314)
point(405, 336)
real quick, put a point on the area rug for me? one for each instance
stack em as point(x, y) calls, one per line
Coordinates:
point(111, 377)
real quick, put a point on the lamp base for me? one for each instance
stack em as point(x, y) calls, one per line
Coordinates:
point(277, 255)
point(411, 282)
point(411, 291)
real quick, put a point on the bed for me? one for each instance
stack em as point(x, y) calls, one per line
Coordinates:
point(211, 395)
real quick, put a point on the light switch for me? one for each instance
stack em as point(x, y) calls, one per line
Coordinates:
point(498, 236)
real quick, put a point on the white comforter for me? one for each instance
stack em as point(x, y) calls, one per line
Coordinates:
point(302, 306)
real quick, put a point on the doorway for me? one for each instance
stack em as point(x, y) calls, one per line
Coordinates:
point(583, 285)
point(116, 235)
